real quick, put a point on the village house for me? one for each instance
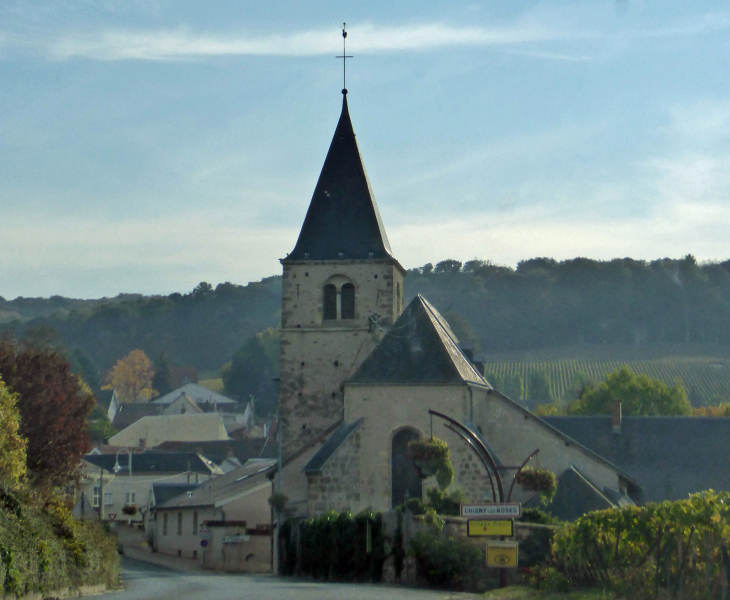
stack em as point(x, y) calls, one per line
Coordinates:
point(107, 481)
point(224, 524)
point(187, 427)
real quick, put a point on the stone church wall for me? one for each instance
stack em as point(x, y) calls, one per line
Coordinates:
point(387, 410)
point(337, 486)
point(318, 355)
point(513, 433)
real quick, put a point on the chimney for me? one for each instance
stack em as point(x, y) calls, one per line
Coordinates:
point(616, 416)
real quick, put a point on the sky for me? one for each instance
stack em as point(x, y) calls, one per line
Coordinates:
point(146, 146)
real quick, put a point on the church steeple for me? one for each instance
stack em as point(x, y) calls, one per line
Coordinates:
point(343, 221)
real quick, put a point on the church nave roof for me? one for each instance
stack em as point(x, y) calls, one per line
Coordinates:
point(419, 348)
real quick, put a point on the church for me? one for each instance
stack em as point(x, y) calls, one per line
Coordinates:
point(359, 372)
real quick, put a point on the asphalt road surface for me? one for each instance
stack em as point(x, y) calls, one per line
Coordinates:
point(143, 581)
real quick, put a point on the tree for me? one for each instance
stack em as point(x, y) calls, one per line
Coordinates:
point(252, 370)
point(12, 444)
point(639, 395)
point(53, 404)
point(131, 377)
point(721, 410)
point(161, 380)
point(539, 388)
point(513, 387)
point(495, 380)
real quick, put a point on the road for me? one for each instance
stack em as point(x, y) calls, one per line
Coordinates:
point(143, 581)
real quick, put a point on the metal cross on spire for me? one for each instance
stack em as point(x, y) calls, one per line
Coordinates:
point(344, 58)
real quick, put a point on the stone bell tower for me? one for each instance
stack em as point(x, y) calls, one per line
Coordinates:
point(341, 289)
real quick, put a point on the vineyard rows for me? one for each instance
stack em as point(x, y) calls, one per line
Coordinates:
point(704, 381)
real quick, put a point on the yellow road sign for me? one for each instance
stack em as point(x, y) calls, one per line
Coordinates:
point(502, 554)
point(496, 528)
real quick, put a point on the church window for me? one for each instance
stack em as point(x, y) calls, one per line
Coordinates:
point(330, 302)
point(348, 301)
point(397, 298)
point(406, 482)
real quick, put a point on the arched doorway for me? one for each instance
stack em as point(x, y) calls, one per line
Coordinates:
point(406, 481)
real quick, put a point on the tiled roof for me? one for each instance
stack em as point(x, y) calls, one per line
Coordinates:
point(155, 462)
point(197, 392)
point(343, 221)
point(217, 451)
point(128, 414)
point(419, 348)
point(333, 442)
point(574, 497)
point(219, 490)
point(104, 398)
point(670, 457)
point(162, 492)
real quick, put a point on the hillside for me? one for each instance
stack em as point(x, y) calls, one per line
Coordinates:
point(200, 329)
point(706, 378)
point(613, 311)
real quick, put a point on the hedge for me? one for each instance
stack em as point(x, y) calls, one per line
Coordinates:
point(334, 547)
point(675, 547)
point(43, 548)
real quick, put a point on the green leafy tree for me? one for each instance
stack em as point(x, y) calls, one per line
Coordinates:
point(252, 370)
point(578, 385)
point(539, 387)
point(496, 381)
point(513, 387)
point(162, 379)
point(83, 365)
point(639, 395)
point(12, 444)
point(100, 427)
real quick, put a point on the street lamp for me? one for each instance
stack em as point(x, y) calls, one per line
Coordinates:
point(118, 468)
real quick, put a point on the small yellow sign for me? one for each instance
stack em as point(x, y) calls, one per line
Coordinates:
point(496, 528)
point(502, 554)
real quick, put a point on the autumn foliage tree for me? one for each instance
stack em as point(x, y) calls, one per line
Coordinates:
point(132, 377)
point(12, 444)
point(53, 404)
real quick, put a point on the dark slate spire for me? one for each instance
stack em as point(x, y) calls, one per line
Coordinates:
point(343, 221)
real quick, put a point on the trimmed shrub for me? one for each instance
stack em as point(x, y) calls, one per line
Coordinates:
point(446, 563)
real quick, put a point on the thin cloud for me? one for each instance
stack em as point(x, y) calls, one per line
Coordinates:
point(184, 44)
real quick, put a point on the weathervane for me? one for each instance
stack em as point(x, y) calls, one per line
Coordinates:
point(344, 58)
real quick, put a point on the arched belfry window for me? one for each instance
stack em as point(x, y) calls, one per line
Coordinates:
point(330, 302)
point(348, 301)
point(406, 480)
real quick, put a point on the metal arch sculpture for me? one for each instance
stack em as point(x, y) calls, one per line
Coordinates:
point(484, 455)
